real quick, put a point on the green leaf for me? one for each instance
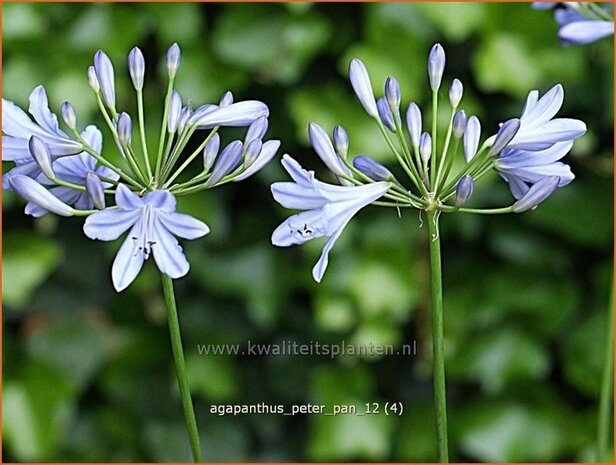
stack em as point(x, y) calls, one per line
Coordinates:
point(28, 260)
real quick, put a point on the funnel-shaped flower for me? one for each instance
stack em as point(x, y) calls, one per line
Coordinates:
point(153, 223)
point(538, 130)
point(328, 209)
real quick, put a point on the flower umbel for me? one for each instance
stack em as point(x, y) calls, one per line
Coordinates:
point(67, 173)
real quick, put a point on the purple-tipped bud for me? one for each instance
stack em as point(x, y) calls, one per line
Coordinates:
point(455, 92)
point(459, 124)
point(226, 100)
point(385, 114)
point(173, 60)
point(464, 190)
point(185, 115)
point(256, 130)
point(95, 190)
point(41, 155)
point(210, 152)
point(175, 108)
point(33, 192)
point(372, 169)
point(341, 141)
point(125, 128)
point(425, 146)
point(68, 115)
point(252, 152)
point(536, 194)
point(471, 138)
point(413, 122)
point(360, 80)
point(93, 80)
point(227, 162)
point(505, 134)
point(106, 77)
point(136, 67)
point(392, 94)
point(436, 66)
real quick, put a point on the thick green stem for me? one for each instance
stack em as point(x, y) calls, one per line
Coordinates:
point(438, 355)
point(180, 367)
point(605, 399)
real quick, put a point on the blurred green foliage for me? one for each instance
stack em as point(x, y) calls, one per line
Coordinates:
point(88, 373)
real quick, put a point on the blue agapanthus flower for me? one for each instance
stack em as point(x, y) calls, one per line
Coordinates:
point(526, 151)
point(66, 173)
point(581, 22)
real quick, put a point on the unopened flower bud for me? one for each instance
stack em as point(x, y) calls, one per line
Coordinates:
point(459, 124)
point(252, 152)
point(436, 66)
point(125, 128)
point(226, 100)
point(464, 190)
point(41, 155)
point(173, 60)
point(226, 163)
point(392, 94)
point(33, 192)
point(68, 115)
point(136, 67)
point(93, 80)
point(413, 122)
point(256, 130)
point(175, 109)
point(372, 168)
point(95, 190)
point(425, 146)
point(185, 115)
point(472, 134)
point(360, 80)
point(505, 134)
point(106, 78)
point(210, 152)
point(341, 141)
point(385, 114)
point(455, 93)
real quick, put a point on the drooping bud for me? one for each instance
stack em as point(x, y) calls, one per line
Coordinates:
point(341, 141)
point(173, 60)
point(413, 122)
point(385, 114)
point(464, 190)
point(93, 80)
point(372, 168)
point(33, 192)
point(226, 99)
point(360, 80)
point(536, 194)
point(425, 146)
point(95, 190)
point(392, 94)
point(256, 130)
point(174, 112)
point(471, 138)
point(136, 67)
point(106, 78)
point(227, 162)
point(41, 155)
point(455, 92)
point(436, 66)
point(252, 152)
point(125, 128)
point(505, 134)
point(210, 152)
point(459, 124)
point(68, 115)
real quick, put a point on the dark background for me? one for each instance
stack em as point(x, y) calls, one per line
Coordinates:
point(88, 373)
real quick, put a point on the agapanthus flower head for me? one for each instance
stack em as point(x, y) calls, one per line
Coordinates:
point(68, 174)
point(524, 150)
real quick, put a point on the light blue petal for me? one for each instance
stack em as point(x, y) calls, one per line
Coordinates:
point(268, 151)
point(324, 148)
point(237, 115)
point(585, 32)
point(536, 194)
point(471, 138)
point(162, 200)
point(167, 253)
point(300, 228)
point(545, 108)
point(319, 268)
point(126, 199)
point(33, 192)
point(536, 173)
point(39, 109)
point(14, 149)
point(360, 81)
point(296, 196)
point(129, 260)
point(109, 224)
point(544, 136)
point(297, 173)
point(517, 158)
point(182, 225)
point(518, 187)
